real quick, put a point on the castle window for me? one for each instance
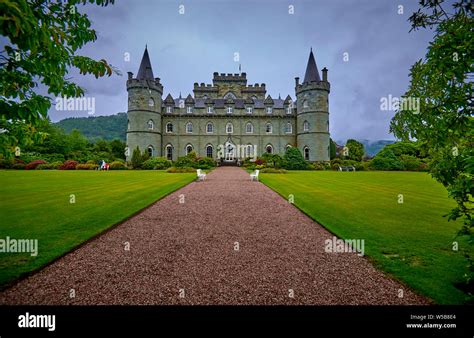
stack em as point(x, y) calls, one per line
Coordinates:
point(269, 110)
point(209, 128)
point(189, 127)
point(268, 128)
point(210, 110)
point(288, 128)
point(249, 150)
point(249, 128)
point(128, 125)
point(230, 110)
point(229, 128)
point(209, 151)
point(306, 153)
point(169, 127)
point(169, 152)
point(189, 110)
point(205, 97)
point(151, 102)
point(269, 149)
point(288, 146)
point(288, 110)
point(305, 126)
point(305, 104)
point(151, 151)
point(249, 110)
point(169, 109)
point(230, 95)
point(151, 125)
point(328, 126)
point(254, 98)
point(189, 148)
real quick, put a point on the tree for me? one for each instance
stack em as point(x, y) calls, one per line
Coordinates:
point(43, 38)
point(356, 150)
point(332, 149)
point(294, 160)
point(442, 85)
point(137, 158)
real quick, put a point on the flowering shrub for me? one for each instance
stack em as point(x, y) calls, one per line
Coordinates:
point(34, 164)
point(117, 165)
point(69, 165)
point(86, 166)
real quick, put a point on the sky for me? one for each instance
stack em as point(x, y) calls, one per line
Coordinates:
point(365, 45)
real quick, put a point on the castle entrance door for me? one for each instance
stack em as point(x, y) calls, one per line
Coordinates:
point(229, 151)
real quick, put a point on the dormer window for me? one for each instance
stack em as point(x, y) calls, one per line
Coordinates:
point(269, 110)
point(230, 110)
point(169, 109)
point(210, 110)
point(288, 110)
point(189, 109)
point(249, 110)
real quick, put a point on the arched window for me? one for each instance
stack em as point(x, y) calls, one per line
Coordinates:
point(249, 150)
point(269, 149)
point(306, 153)
point(151, 151)
point(189, 127)
point(209, 128)
point(254, 98)
point(229, 128)
point(269, 128)
point(151, 102)
point(169, 127)
point(189, 148)
point(288, 146)
point(305, 126)
point(305, 104)
point(230, 95)
point(288, 128)
point(151, 125)
point(209, 150)
point(249, 128)
point(169, 152)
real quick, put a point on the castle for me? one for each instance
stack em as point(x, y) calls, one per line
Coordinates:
point(229, 119)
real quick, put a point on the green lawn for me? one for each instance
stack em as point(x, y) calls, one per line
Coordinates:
point(411, 241)
point(36, 205)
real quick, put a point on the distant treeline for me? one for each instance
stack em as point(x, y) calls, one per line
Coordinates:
point(112, 127)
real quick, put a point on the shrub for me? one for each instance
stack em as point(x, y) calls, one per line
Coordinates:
point(117, 165)
point(321, 165)
point(157, 163)
point(19, 166)
point(49, 166)
point(260, 166)
point(205, 163)
point(184, 161)
point(410, 163)
point(259, 161)
point(294, 160)
point(86, 166)
point(386, 160)
point(273, 171)
point(68, 165)
point(6, 164)
point(34, 164)
point(180, 170)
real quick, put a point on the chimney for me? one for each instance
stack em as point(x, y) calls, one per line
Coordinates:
point(297, 81)
point(325, 74)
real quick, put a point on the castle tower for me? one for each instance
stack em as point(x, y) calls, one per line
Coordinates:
point(144, 110)
point(312, 113)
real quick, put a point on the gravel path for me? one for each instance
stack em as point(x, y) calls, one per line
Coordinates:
point(184, 253)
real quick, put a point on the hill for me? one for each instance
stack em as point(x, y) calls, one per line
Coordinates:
point(110, 127)
point(371, 147)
